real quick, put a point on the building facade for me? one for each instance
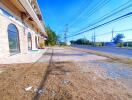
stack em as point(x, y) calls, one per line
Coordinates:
point(21, 27)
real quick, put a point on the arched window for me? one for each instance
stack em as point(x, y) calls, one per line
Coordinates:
point(36, 42)
point(13, 38)
point(29, 41)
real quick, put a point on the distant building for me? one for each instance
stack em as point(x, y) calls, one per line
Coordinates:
point(109, 44)
point(21, 27)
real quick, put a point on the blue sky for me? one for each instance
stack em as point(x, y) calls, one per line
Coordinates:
point(80, 13)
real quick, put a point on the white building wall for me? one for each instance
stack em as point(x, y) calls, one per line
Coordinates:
point(4, 47)
point(23, 40)
point(33, 35)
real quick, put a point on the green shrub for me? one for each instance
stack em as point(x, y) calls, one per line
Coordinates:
point(120, 45)
point(41, 45)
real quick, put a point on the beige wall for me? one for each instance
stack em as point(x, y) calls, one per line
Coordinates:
point(41, 42)
point(4, 45)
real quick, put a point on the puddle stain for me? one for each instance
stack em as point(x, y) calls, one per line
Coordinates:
point(117, 70)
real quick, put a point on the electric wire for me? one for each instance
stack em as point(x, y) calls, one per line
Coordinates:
point(92, 10)
point(108, 22)
point(113, 13)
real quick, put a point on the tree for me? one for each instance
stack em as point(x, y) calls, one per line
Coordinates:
point(52, 37)
point(118, 38)
point(81, 41)
point(72, 42)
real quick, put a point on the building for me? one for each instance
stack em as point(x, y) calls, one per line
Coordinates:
point(110, 44)
point(21, 27)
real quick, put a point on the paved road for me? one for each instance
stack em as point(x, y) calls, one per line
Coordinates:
point(112, 50)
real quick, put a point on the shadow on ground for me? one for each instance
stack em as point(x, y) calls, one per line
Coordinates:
point(54, 68)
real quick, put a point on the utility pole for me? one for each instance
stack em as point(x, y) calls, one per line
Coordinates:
point(65, 34)
point(94, 38)
point(112, 35)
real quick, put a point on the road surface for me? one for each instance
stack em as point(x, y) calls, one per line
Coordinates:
point(110, 50)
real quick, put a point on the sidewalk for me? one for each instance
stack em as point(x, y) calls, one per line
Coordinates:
point(29, 57)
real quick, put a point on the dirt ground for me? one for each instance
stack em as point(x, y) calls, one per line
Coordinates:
point(59, 81)
point(63, 81)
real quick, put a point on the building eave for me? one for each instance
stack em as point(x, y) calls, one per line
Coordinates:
point(26, 4)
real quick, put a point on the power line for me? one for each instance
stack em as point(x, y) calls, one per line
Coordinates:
point(106, 33)
point(112, 14)
point(115, 11)
point(124, 30)
point(98, 5)
point(83, 7)
point(114, 31)
point(108, 22)
point(80, 14)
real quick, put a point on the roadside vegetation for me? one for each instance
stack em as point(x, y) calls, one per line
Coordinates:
point(117, 42)
point(52, 37)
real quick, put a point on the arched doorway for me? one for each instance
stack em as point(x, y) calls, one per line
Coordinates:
point(13, 38)
point(29, 41)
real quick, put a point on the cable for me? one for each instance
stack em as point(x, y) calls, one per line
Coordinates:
point(108, 22)
point(92, 10)
point(124, 30)
point(81, 9)
point(114, 31)
point(105, 17)
point(98, 8)
point(116, 9)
